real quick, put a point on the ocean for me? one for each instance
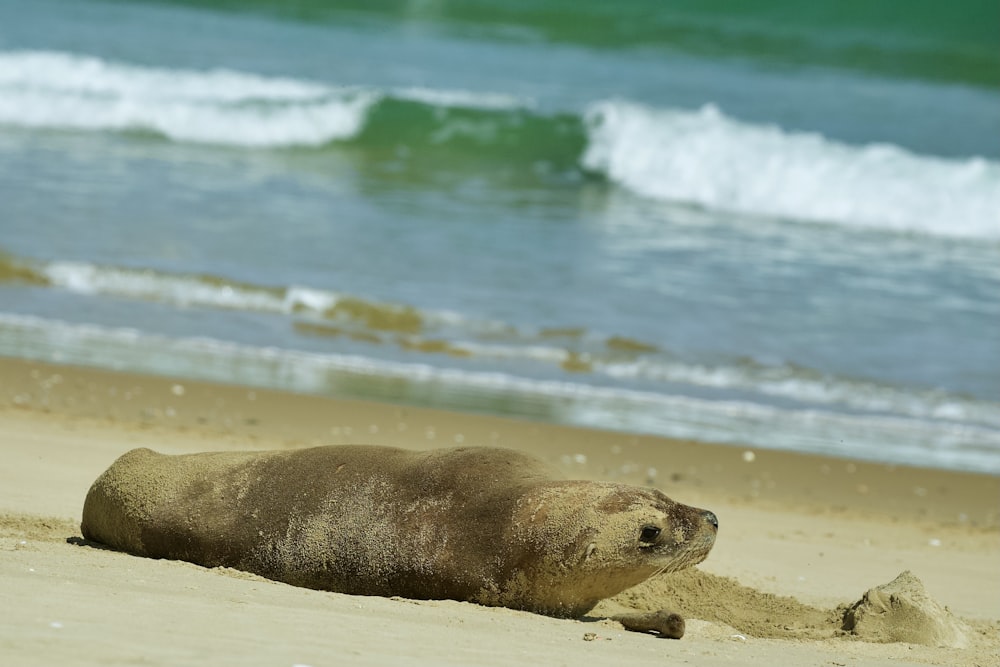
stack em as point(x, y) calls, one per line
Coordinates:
point(772, 224)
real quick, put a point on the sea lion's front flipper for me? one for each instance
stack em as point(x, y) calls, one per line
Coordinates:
point(667, 623)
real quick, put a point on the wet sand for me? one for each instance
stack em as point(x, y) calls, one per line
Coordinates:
point(800, 536)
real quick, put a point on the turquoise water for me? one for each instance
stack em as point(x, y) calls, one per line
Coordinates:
point(772, 224)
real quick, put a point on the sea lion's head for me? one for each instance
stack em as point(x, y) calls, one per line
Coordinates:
point(591, 540)
point(644, 530)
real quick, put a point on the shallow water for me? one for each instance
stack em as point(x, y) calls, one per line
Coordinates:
point(663, 218)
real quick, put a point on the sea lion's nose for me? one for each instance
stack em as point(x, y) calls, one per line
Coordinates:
point(711, 518)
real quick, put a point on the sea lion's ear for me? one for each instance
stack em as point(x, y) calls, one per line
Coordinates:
point(591, 549)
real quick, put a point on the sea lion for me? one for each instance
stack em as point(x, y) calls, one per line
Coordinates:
point(484, 525)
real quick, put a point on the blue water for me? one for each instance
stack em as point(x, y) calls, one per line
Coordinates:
point(701, 223)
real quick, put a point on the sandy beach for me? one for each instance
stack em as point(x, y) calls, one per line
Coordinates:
point(800, 538)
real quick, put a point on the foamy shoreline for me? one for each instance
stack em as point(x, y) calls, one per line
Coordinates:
point(619, 384)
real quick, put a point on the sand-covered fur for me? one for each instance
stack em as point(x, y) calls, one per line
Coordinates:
point(485, 525)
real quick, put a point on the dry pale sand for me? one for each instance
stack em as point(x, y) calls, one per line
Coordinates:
point(800, 536)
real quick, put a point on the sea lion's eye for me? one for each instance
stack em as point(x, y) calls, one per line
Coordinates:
point(649, 533)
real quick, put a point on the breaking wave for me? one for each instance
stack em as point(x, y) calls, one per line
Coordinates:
point(706, 158)
point(701, 158)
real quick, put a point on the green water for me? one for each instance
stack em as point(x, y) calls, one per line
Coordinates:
point(946, 41)
point(771, 224)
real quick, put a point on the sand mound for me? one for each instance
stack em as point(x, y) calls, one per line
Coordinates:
point(724, 601)
point(901, 611)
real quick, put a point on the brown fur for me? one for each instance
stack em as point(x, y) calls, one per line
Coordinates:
point(484, 525)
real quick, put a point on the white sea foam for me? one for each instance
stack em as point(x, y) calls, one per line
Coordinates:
point(151, 286)
point(784, 382)
point(218, 106)
point(706, 158)
point(64, 73)
point(311, 124)
point(543, 353)
point(59, 90)
point(891, 439)
point(308, 298)
point(810, 388)
point(209, 291)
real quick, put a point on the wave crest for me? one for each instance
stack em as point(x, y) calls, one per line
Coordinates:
point(699, 157)
point(709, 159)
point(55, 90)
